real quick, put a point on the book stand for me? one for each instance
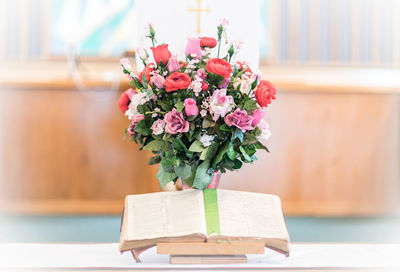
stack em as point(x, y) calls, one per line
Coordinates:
point(221, 252)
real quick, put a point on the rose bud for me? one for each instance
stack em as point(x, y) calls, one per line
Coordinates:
point(191, 108)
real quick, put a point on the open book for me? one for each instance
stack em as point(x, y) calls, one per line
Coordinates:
point(180, 217)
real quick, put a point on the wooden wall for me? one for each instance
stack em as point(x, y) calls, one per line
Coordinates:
point(62, 151)
point(334, 150)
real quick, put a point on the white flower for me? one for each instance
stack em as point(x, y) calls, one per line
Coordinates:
point(195, 85)
point(206, 139)
point(245, 87)
point(203, 113)
point(220, 104)
point(265, 131)
point(126, 65)
point(136, 100)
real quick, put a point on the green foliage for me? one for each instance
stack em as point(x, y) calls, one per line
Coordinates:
point(221, 152)
point(154, 145)
point(183, 170)
point(179, 106)
point(154, 160)
point(209, 152)
point(196, 147)
point(142, 128)
point(202, 178)
point(165, 176)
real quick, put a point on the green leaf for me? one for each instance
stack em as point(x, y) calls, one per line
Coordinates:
point(250, 105)
point(179, 145)
point(246, 157)
point(164, 105)
point(259, 145)
point(231, 153)
point(221, 153)
point(209, 152)
point(208, 123)
point(154, 160)
point(237, 164)
point(189, 181)
point(165, 177)
point(224, 127)
point(202, 178)
point(142, 128)
point(183, 171)
point(154, 145)
point(196, 146)
point(179, 106)
point(144, 81)
point(237, 134)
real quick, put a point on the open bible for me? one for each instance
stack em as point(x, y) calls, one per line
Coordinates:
point(183, 217)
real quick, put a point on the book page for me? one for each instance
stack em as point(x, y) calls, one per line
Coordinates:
point(164, 214)
point(244, 214)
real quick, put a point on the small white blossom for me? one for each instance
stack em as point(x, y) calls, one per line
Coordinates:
point(203, 113)
point(206, 139)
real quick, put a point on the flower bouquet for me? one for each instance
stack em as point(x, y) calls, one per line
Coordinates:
point(198, 116)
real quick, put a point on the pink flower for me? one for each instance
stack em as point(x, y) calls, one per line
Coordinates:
point(224, 22)
point(193, 47)
point(135, 119)
point(158, 127)
point(225, 83)
point(240, 119)
point(257, 115)
point(173, 64)
point(158, 80)
point(191, 108)
point(175, 123)
point(220, 104)
point(201, 73)
point(265, 132)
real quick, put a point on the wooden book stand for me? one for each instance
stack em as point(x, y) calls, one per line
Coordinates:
point(224, 252)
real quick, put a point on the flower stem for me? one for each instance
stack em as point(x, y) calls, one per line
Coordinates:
point(219, 46)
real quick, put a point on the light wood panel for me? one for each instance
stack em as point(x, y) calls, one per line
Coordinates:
point(61, 150)
point(331, 154)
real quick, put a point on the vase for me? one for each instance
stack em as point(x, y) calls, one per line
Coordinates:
point(216, 177)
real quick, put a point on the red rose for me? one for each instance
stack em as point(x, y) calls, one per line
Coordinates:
point(265, 92)
point(219, 67)
point(243, 65)
point(177, 81)
point(161, 53)
point(147, 70)
point(204, 86)
point(125, 99)
point(208, 42)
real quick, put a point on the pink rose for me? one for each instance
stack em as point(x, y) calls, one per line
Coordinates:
point(220, 104)
point(158, 127)
point(158, 80)
point(240, 119)
point(193, 47)
point(175, 123)
point(257, 115)
point(191, 108)
point(225, 83)
point(134, 120)
point(265, 132)
point(173, 64)
point(201, 73)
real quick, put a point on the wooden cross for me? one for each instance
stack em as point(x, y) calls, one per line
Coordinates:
point(198, 10)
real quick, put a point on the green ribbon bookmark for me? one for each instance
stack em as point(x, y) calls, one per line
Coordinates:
point(211, 211)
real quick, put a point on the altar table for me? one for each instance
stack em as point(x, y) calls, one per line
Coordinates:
point(105, 256)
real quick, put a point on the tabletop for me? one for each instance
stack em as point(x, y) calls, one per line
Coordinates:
point(106, 256)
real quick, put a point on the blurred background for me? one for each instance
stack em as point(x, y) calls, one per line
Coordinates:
point(335, 145)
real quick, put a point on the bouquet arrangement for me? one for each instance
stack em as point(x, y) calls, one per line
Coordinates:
point(198, 115)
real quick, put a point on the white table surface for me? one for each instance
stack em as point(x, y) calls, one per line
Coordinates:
point(305, 256)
